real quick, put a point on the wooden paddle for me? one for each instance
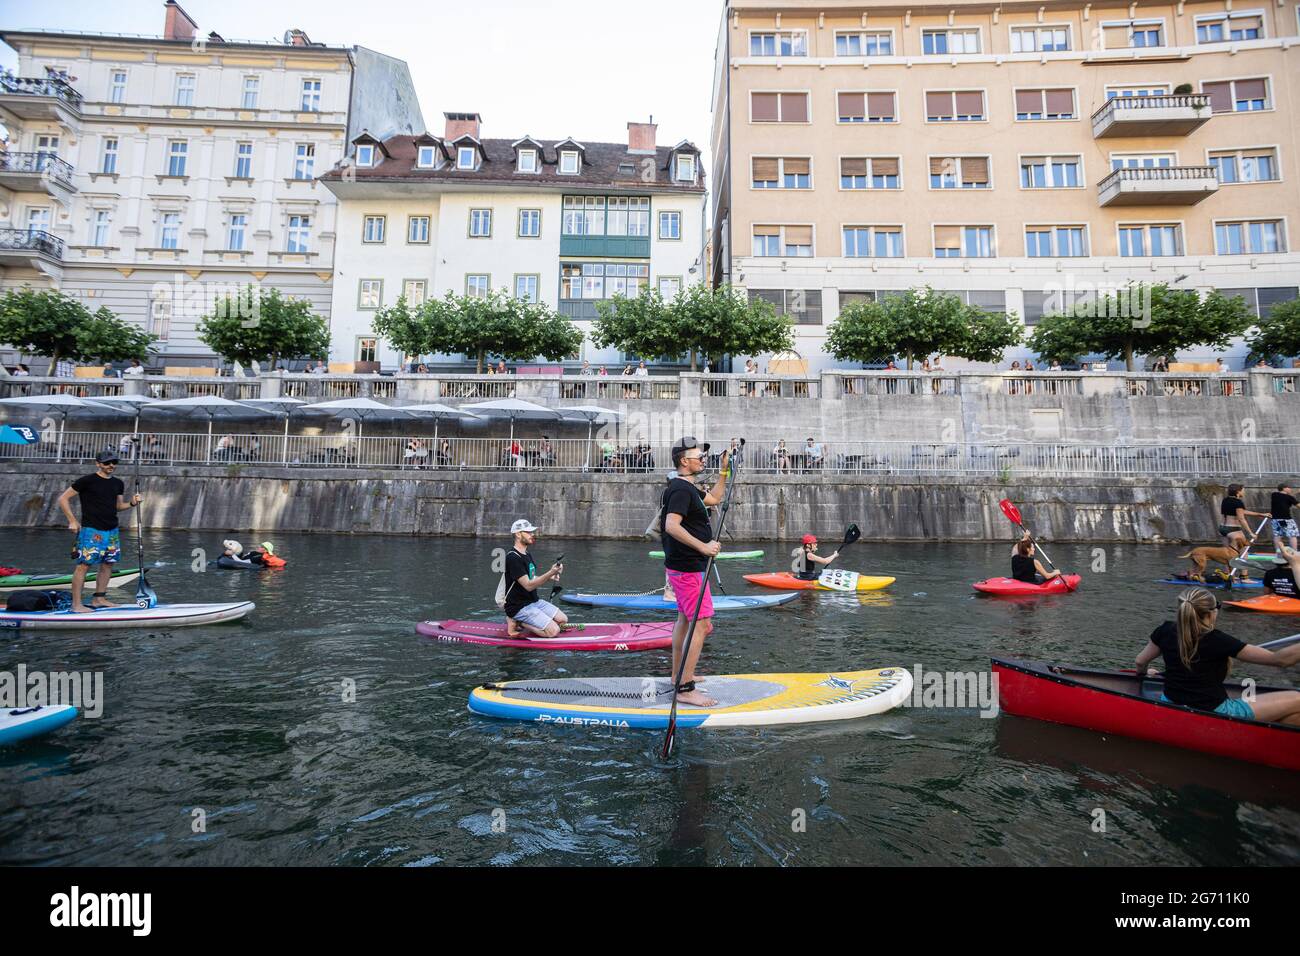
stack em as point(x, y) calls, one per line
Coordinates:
point(1013, 513)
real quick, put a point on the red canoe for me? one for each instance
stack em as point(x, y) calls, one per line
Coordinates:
point(1268, 603)
point(583, 637)
point(1115, 702)
point(1062, 585)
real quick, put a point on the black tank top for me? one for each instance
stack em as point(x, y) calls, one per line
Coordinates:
point(1022, 569)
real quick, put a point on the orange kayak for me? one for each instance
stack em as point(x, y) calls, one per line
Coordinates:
point(1268, 603)
point(827, 581)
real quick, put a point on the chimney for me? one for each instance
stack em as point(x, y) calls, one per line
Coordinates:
point(641, 137)
point(296, 38)
point(458, 124)
point(179, 25)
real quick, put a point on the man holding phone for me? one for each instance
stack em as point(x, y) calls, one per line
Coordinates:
point(522, 605)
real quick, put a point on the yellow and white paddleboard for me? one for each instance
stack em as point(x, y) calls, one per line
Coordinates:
point(743, 699)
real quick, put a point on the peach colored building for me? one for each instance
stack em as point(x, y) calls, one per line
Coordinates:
point(1018, 154)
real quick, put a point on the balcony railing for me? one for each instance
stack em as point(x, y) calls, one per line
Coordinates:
point(1168, 115)
point(1162, 185)
point(42, 163)
point(31, 240)
point(1196, 101)
point(39, 86)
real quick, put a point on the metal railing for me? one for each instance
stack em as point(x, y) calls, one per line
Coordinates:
point(39, 86)
point(1051, 383)
point(898, 383)
point(1163, 174)
point(42, 163)
point(1189, 386)
point(31, 240)
point(606, 454)
point(1196, 101)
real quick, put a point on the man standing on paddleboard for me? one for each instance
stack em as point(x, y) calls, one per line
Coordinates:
point(98, 540)
point(522, 605)
point(688, 544)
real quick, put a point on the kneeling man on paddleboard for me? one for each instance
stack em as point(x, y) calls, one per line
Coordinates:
point(522, 605)
point(98, 540)
point(688, 544)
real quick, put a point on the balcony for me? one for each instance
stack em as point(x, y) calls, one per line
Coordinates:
point(1151, 115)
point(39, 98)
point(32, 249)
point(606, 247)
point(1158, 186)
point(36, 172)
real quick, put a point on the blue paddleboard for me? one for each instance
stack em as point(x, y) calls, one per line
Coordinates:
point(23, 723)
point(1215, 585)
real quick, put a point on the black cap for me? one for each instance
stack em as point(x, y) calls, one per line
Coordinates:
point(105, 456)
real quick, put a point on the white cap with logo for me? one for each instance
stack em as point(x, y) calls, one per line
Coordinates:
point(523, 524)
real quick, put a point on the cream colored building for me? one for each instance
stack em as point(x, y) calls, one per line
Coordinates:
point(152, 175)
point(1015, 153)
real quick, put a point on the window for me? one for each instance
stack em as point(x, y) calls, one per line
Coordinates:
point(477, 286)
point(670, 225)
point(169, 230)
point(881, 242)
point(959, 172)
point(1055, 241)
point(946, 107)
point(184, 89)
point(1045, 104)
point(177, 151)
point(243, 160)
point(767, 241)
point(869, 172)
point(108, 155)
point(783, 173)
point(778, 107)
point(1248, 238)
point(670, 287)
point(117, 87)
point(252, 86)
point(304, 161)
point(601, 280)
point(1261, 301)
point(299, 233)
point(874, 43)
point(1139, 240)
point(527, 161)
point(1132, 34)
point(626, 216)
point(1126, 91)
point(47, 145)
point(417, 229)
point(955, 242)
point(1224, 27)
point(936, 42)
point(414, 291)
point(372, 229)
point(160, 315)
point(787, 43)
point(367, 347)
point(794, 241)
point(1237, 96)
point(866, 108)
point(38, 219)
point(1040, 39)
point(584, 216)
point(1141, 161)
point(802, 305)
point(370, 293)
point(526, 287)
point(569, 165)
point(310, 100)
point(480, 223)
point(1051, 172)
point(425, 158)
point(366, 155)
point(530, 223)
point(1245, 165)
point(466, 157)
point(99, 230)
point(686, 168)
point(235, 234)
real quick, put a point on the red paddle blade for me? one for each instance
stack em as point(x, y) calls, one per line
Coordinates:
point(1010, 510)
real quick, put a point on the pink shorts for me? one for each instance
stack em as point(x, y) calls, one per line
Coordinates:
point(686, 588)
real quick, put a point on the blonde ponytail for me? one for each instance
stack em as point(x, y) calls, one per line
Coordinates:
point(1195, 608)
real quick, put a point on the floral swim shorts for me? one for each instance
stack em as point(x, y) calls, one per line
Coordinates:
point(98, 547)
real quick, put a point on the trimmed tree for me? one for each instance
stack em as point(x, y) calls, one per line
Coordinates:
point(638, 326)
point(918, 323)
point(402, 327)
point(1277, 336)
point(47, 322)
point(1141, 320)
point(264, 326)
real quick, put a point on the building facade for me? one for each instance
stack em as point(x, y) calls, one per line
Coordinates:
point(566, 223)
point(1021, 155)
point(154, 175)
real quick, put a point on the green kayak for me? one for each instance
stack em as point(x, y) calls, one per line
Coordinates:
point(23, 582)
point(724, 556)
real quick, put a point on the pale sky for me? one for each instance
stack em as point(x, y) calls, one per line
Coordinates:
point(581, 67)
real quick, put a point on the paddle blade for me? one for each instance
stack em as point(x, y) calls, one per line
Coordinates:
point(851, 534)
point(145, 596)
point(1010, 510)
point(670, 737)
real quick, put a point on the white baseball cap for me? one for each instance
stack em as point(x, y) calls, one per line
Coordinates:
point(523, 524)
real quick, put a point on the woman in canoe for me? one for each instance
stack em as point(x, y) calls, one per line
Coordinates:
point(1025, 565)
point(1198, 657)
point(806, 563)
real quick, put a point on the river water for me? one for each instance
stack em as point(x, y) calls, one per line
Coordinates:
point(245, 727)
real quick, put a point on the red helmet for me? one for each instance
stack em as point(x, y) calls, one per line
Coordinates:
point(809, 539)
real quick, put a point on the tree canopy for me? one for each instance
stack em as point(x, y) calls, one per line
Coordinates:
point(264, 326)
point(1278, 335)
point(47, 322)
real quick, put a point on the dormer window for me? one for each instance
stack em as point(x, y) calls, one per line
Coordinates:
point(569, 162)
point(425, 159)
point(527, 161)
point(686, 168)
point(465, 157)
point(365, 155)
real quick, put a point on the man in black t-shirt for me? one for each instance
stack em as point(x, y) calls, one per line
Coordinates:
point(687, 539)
point(98, 539)
point(1284, 527)
point(522, 605)
point(1282, 581)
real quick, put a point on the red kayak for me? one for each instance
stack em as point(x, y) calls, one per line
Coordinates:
point(579, 637)
point(1118, 702)
point(1010, 586)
